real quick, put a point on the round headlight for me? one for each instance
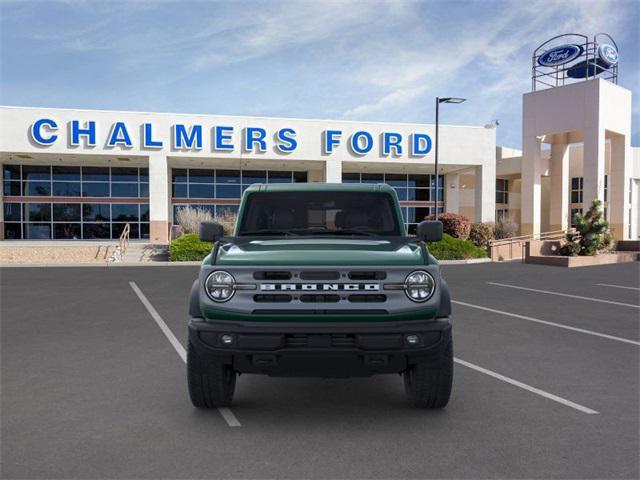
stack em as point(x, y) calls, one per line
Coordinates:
point(419, 286)
point(220, 286)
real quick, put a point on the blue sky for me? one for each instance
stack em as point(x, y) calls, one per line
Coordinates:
point(355, 60)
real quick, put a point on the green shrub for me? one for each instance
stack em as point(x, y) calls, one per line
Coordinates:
point(188, 248)
point(450, 248)
point(481, 234)
point(591, 235)
point(457, 226)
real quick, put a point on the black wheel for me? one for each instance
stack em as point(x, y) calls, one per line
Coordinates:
point(428, 384)
point(211, 384)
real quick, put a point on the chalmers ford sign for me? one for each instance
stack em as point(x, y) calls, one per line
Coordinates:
point(46, 132)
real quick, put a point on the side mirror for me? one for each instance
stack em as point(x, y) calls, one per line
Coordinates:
point(211, 231)
point(429, 231)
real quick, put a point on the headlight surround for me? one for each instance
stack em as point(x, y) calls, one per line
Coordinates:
point(220, 286)
point(419, 286)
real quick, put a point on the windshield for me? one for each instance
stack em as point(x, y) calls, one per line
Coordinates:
point(320, 213)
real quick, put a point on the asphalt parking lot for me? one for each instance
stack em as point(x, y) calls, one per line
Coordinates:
point(546, 385)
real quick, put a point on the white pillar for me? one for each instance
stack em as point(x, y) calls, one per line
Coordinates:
point(158, 198)
point(452, 192)
point(593, 166)
point(333, 171)
point(618, 190)
point(485, 192)
point(559, 204)
point(531, 173)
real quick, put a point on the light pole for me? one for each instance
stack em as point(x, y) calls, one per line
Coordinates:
point(438, 102)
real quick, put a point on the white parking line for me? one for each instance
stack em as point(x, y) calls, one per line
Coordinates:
point(529, 388)
point(616, 286)
point(590, 299)
point(545, 322)
point(226, 413)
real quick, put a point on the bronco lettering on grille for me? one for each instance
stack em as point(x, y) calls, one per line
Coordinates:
point(370, 287)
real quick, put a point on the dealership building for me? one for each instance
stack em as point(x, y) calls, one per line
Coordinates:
point(85, 174)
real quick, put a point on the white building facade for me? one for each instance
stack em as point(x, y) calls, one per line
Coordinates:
point(85, 174)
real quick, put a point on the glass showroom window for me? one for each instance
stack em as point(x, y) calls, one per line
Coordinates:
point(414, 188)
point(221, 184)
point(214, 210)
point(79, 201)
point(502, 191)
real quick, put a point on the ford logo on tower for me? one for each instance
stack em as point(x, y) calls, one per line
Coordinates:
point(608, 54)
point(560, 55)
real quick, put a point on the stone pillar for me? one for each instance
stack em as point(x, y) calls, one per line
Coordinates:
point(531, 179)
point(159, 199)
point(559, 202)
point(452, 192)
point(618, 188)
point(333, 171)
point(485, 192)
point(593, 166)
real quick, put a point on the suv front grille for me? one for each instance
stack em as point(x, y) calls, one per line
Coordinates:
point(320, 341)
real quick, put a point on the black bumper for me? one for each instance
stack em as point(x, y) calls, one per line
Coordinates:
point(319, 349)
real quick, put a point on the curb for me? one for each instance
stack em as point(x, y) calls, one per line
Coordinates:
point(99, 265)
point(464, 262)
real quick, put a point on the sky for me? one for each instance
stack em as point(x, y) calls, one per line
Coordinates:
point(362, 60)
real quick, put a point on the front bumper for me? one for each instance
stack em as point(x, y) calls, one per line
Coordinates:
point(320, 349)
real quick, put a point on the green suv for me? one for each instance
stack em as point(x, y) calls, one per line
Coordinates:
point(320, 280)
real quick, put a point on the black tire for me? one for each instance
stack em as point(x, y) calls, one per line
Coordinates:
point(428, 384)
point(211, 384)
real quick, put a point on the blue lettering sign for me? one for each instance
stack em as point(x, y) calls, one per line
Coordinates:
point(147, 138)
point(421, 144)
point(357, 146)
point(221, 137)
point(187, 139)
point(255, 136)
point(391, 140)
point(286, 142)
point(608, 54)
point(119, 136)
point(89, 131)
point(331, 140)
point(37, 134)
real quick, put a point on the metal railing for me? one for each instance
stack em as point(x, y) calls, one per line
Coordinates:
point(123, 241)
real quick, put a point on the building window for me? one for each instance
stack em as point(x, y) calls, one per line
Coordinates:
point(87, 211)
point(411, 188)
point(572, 221)
point(197, 185)
point(502, 191)
point(576, 189)
point(502, 214)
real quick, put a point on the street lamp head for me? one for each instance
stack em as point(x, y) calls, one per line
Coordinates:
point(451, 100)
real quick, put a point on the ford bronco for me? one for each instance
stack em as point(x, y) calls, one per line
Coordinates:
point(320, 280)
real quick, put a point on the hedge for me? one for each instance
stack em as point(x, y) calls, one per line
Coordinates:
point(457, 226)
point(450, 248)
point(188, 248)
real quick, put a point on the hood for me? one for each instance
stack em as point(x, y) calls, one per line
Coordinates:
point(321, 251)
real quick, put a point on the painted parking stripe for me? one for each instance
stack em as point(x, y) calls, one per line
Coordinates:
point(590, 299)
point(545, 322)
point(617, 286)
point(529, 388)
point(226, 413)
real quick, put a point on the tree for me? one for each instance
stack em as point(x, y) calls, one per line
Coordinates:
point(591, 235)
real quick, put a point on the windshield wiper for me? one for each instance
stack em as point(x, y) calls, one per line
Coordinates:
point(267, 231)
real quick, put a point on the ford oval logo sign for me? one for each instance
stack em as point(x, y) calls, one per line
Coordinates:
point(560, 55)
point(608, 54)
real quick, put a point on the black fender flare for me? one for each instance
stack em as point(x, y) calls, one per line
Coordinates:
point(445, 300)
point(194, 300)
